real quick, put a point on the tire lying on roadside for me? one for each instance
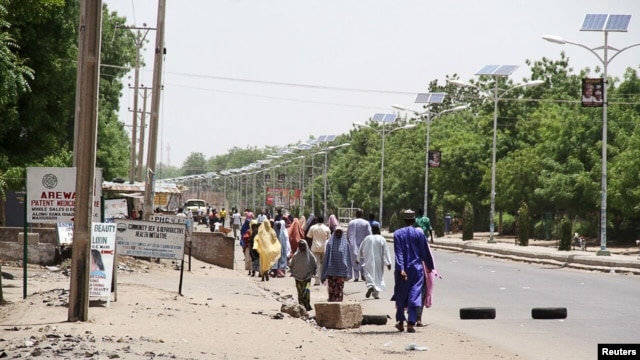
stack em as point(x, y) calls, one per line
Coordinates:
point(476, 313)
point(549, 313)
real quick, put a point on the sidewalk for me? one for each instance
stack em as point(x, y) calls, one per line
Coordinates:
point(223, 314)
point(626, 260)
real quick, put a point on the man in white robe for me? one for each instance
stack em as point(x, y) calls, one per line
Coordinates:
point(373, 256)
point(357, 230)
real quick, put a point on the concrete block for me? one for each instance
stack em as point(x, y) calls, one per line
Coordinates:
point(32, 238)
point(338, 315)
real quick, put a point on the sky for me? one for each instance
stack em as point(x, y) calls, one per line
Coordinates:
point(257, 73)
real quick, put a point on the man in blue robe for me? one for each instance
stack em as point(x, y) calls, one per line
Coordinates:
point(411, 250)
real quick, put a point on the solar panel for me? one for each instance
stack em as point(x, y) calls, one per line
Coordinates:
point(390, 118)
point(430, 98)
point(321, 138)
point(304, 147)
point(505, 70)
point(497, 70)
point(423, 98)
point(378, 117)
point(594, 22)
point(617, 23)
point(488, 70)
point(330, 138)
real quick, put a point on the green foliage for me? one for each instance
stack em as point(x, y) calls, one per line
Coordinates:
point(565, 234)
point(467, 226)
point(438, 222)
point(523, 225)
point(393, 222)
point(37, 126)
point(508, 224)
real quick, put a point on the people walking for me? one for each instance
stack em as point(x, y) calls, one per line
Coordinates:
point(336, 267)
point(295, 235)
point(425, 224)
point(319, 233)
point(223, 216)
point(357, 230)
point(249, 231)
point(374, 256)
point(236, 220)
point(411, 250)
point(267, 244)
point(285, 248)
point(333, 223)
point(303, 267)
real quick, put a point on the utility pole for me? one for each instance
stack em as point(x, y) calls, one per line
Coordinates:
point(155, 109)
point(134, 136)
point(84, 157)
point(143, 125)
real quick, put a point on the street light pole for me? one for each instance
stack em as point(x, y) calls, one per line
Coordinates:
point(496, 96)
point(429, 117)
point(603, 180)
point(324, 173)
point(383, 135)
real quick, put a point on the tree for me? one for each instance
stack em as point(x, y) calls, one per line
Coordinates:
point(194, 164)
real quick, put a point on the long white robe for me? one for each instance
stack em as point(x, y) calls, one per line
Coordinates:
point(374, 256)
point(357, 230)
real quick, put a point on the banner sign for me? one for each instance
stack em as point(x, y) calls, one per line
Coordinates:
point(434, 158)
point(169, 219)
point(592, 92)
point(103, 245)
point(64, 231)
point(115, 209)
point(51, 195)
point(150, 239)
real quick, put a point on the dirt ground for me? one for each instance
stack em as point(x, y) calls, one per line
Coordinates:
point(221, 314)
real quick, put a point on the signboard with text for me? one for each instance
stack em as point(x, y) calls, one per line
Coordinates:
point(51, 195)
point(103, 245)
point(150, 239)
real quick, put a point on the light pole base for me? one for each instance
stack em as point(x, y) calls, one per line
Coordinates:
point(604, 252)
point(491, 240)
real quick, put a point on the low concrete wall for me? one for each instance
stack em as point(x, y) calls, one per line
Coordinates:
point(213, 248)
point(41, 245)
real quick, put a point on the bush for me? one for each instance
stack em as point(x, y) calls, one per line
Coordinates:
point(393, 222)
point(523, 225)
point(467, 226)
point(565, 234)
point(438, 224)
point(508, 224)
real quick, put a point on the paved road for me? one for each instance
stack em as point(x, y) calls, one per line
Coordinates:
point(601, 305)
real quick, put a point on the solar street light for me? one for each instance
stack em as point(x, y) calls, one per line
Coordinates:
point(383, 119)
point(496, 71)
point(429, 116)
point(601, 23)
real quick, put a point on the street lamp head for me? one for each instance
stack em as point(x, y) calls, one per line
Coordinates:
point(458, 83)
point(459, 107)
point(399, 107)
point(555, 39)
point(534, 83)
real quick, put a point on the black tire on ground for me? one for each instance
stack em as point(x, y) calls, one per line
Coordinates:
point(374, 319)
point(549, 313)
point(476, 313)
